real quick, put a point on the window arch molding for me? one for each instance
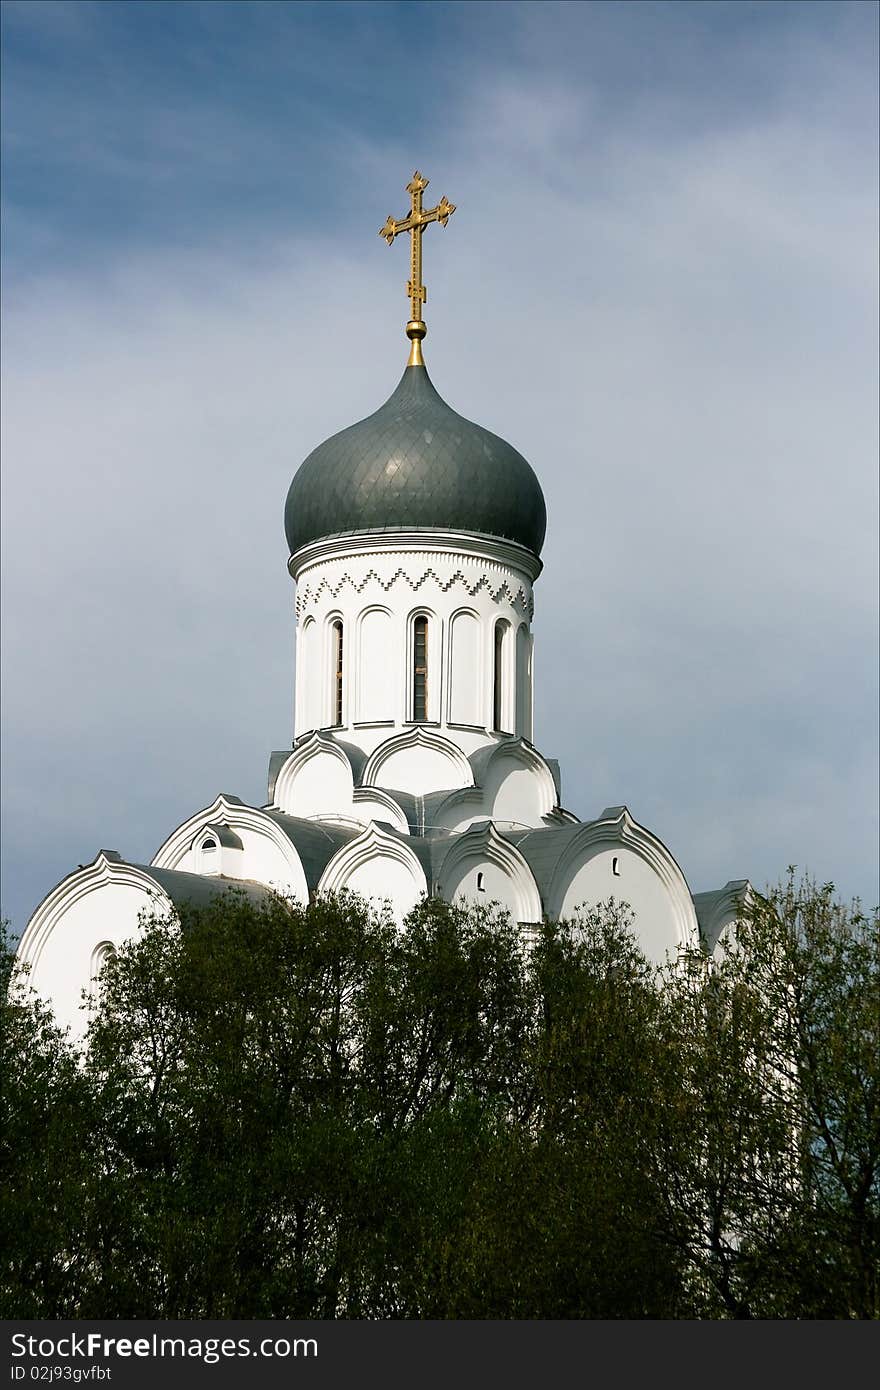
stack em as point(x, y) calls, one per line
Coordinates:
point(308, 674)
point(463, 667)
point(371, 705)
point(104, 951)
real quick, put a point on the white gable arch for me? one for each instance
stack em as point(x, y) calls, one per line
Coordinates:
point(459, 810)
point(92, 912)
point(378, 867)
point(316, 780)
point(371, 804)
point(483, 867)
point(518, 786)
point(719, 917)
point(418, 761)
point(267, 855)
point(616, 857)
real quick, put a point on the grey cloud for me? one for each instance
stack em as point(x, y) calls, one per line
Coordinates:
point(678, 334)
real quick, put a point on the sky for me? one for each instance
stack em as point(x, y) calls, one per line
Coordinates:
point(660, 284)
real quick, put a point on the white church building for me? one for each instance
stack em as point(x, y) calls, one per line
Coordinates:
point(415, 542)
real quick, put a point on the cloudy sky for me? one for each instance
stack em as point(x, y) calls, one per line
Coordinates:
point(660, 285)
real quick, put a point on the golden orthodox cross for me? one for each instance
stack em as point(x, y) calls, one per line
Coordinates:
point(415, 224)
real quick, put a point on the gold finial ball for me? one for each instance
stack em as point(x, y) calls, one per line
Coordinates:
point(416, 329)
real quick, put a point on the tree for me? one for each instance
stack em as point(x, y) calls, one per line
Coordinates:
point(772, 1153)
point(815, 964)
point(46, 1157)
point(293, 1111)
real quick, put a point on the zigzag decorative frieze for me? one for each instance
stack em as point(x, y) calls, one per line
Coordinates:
point(308, 595)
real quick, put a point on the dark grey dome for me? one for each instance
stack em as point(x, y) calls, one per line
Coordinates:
point(415, 463)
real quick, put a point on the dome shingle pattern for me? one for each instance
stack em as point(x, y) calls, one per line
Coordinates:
point(415, 463)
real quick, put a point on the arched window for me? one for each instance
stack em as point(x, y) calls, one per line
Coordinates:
point(104, 951)
point(309, 714)
point(337, 673)
point(498, 676)
point(100, 956)
point(420, 668)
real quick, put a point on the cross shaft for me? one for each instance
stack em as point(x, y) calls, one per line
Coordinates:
point(415, 223)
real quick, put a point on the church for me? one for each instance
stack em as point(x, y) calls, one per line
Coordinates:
point(415, 541)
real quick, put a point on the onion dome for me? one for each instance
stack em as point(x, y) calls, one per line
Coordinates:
point(415, 463)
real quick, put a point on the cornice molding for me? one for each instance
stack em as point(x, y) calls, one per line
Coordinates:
point(107, 867)
point(380, 797)
point(522, 754)
point(736, 896)
point(375, 843)
point(527, 756)
point(416, 737)
point(430, 540)
point(238, 816)
point(616, 826)
point(482, 841)
point(317, 744)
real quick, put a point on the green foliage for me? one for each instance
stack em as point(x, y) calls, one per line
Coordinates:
point(46, 1158)
point(308, 1112)
point(773, 1149)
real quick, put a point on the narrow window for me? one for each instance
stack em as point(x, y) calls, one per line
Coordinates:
point(420, 668)
point(481, 887)
point(497, 672)
point(337, 673)
point(100, 956)
point(615, 866)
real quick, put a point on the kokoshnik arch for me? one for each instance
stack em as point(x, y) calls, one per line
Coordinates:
point(415, 539)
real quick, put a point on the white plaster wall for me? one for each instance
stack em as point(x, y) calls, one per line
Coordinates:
point(107, 912)
point(376, 587)
point(322, 784)
point(722, 927)
point(419, 769)
point(377, 664)
point(384, 878)
point(462, 884)
point(465, 673)
point(516, 795)
point(460, 816)
point(726, 941)
point(517, 790)
point(638, 884)
point(368, 808)
point(307, 668)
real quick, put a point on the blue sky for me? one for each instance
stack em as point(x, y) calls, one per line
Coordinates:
point(660, 284)
point(132, 123)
